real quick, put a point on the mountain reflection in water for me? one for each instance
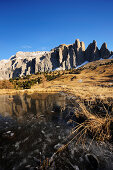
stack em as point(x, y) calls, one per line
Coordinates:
point(33, 127)
point(25, 106)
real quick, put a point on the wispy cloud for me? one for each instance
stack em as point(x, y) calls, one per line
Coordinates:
point(26, 47)
point(30, 48)
point(44, 49)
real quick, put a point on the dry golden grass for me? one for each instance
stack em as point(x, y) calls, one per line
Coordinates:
point(6, 85)
point(99, 128)
point(89, 84)
point(94, 81)
point(96, 126)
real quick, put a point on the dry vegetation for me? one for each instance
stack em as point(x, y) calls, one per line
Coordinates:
point(99, 127)
point(89, 126)
point(94, 80)
point(6, 85)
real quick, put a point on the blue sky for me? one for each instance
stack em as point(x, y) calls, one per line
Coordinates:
point(36, 25)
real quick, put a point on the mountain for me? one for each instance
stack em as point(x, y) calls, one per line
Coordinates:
point(59, 58)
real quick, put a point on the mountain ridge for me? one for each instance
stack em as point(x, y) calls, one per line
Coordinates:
point(61, 57)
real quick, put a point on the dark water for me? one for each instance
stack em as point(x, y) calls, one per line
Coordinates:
point(33, 127)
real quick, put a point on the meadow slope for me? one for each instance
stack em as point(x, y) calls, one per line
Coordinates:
point(94, 80)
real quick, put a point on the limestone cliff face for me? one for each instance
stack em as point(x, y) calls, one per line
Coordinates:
point(62, 57)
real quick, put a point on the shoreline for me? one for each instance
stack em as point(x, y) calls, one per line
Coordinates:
point(28, 91)
point(79, 91)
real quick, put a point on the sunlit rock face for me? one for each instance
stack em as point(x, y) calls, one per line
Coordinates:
point(62, 57)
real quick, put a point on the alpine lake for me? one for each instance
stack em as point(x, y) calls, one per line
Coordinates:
point(34, 127)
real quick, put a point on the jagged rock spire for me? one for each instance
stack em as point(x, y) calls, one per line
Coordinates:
point(104, 52)
point(92, 52)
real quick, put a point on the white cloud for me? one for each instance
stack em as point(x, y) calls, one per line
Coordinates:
point(25, 47)
point(44, 49)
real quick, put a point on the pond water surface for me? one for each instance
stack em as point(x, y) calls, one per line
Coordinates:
point(33, 127)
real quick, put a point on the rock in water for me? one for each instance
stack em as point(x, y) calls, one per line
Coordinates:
point(91, 162)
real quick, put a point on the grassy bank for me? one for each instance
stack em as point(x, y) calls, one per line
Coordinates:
point(95, 80)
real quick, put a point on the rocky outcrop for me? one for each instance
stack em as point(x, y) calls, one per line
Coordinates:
point(104, 52)
point(62, 57)
point(79, 48)
point(92, 52)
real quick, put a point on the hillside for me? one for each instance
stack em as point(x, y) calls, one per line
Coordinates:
point(94, 80)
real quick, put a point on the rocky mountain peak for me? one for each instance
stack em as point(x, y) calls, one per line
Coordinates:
point(92, 52)
point(94, 42)
point(104, 52)
point(61, 57)
point(104, 46)
point(77, 43)
point(82, 44)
